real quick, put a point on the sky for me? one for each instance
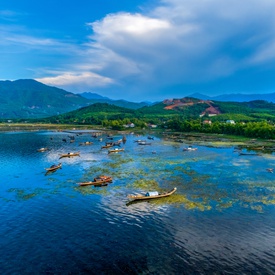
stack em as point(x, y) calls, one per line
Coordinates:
point(141, 50)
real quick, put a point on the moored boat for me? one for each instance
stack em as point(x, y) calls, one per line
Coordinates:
point(98, 181)
point(86, 143)
point(68, 155)
point(115, 150)
point(152, 195)
point(144, 143)
point(190, 148)
point(54, 167)
point(43, 149)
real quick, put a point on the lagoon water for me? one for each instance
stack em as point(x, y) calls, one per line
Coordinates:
point(221, 220)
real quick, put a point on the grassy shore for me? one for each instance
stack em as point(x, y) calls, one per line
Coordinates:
point(214, 140)
point(7, 127)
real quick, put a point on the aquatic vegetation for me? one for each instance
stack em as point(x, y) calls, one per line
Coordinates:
point(22, 194)
point(179, 199)
point(91, 190)
point(145, 184)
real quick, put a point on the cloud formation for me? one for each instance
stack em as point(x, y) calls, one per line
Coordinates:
point(179, 46)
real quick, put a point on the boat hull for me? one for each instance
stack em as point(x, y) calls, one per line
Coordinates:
point(141, 197)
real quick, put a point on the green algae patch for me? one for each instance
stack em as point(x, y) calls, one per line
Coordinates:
point(119, 161)
point(179, 199)
point(145, 184)
point(22, 194)
point(91, 190)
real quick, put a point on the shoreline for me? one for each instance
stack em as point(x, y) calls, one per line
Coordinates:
point(206, 139)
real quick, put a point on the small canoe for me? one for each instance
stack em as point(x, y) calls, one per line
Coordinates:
point(107, 146)
point(152, 195)
point(115, 150)
point(144, 143)
point(54, 167)
point(98, 181)
point(190, 148)
point(68, 155)
point(43, 149)
point(86, 143)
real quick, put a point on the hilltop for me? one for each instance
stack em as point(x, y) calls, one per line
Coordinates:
point(28, 98)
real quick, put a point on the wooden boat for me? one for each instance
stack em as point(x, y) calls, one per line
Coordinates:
point(98, 181)
point(54, 167)
point(248, 154)
point(43, 149)
point(144, 143)
point(116, 150)
point(107, 146)
point(190, 148)
point(86, 143)
point(152, 195)
point(68, 155)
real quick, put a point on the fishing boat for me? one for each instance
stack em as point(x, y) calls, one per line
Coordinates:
point(144, 143)
point(108, 145)
point(54, 167)
point(98, 181)
point(190, 148)
point(248, 154)
point(270, 170)
point(43, 149)
point(68, 155)
point(86, 143)
point(152, 195)
point(116, 150)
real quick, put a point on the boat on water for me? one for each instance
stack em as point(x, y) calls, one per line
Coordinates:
point(107, 146)
point(190, 148)
point(152, 195)
point(86, 143)
point(43, 149)
point(115, 150)
point(144, 143)
point(54, 167)
point(68, 155)
point(98, 181)
point(249, 154)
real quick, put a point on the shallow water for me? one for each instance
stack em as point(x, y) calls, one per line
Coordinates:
point(220, 220)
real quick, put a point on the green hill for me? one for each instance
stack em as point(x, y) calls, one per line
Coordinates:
point(93, 114)
point(27, 98)
point(31, 99)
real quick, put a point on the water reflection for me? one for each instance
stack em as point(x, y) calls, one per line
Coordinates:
point(220, 220)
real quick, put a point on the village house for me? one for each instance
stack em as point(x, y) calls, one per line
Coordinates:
point(129, 125)
point(207, 122)
point(152, 126)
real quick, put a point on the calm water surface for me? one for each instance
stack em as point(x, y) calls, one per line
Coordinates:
point(220, 220)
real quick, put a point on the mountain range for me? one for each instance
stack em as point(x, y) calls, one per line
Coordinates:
point(237, 97)
point(28, 98)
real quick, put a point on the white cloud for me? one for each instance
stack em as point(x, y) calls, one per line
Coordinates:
point(183, 41)
point(71, 82)
point(177, 42)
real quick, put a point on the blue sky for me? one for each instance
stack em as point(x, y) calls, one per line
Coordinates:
point(141, 50)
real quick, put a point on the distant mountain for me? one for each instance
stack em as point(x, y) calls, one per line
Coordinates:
point(237, 97)
point(28, 98)
point(90, 95)
point(96, 98)
point(31, 99)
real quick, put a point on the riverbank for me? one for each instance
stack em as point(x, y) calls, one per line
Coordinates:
point(206, 139)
